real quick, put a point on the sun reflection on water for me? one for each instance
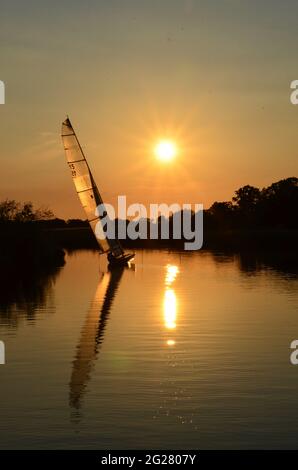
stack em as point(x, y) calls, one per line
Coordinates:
point(171, 274)
point(170, 304)
point(170, 309)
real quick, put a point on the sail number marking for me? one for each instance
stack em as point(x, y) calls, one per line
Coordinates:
point(73, 170)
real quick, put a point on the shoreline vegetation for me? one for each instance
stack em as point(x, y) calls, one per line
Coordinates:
point(254, 220)
point(25, 247)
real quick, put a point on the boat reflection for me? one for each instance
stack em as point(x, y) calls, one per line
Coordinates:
point(92, 334)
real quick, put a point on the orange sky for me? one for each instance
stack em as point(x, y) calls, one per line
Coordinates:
point(213, 76)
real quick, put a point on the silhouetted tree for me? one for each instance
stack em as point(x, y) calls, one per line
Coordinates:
point(11, 210)
point(247, 198)
point(271, 207)
point(279, 203)
point(222, 214)
point(8, 210)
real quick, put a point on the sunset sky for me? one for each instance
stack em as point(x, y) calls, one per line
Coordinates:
point(212, 75)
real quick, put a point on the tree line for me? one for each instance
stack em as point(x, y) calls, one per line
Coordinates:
point(272, 207)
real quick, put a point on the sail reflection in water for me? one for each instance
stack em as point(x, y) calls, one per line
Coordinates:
point(170, 300)
point(92, 335)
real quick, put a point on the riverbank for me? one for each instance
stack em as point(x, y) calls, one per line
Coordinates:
point(252, 240)
point(27, 247)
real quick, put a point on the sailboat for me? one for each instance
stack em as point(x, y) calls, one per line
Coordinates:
point(90, 197)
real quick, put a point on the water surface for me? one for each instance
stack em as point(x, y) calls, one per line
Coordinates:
point(183, 351)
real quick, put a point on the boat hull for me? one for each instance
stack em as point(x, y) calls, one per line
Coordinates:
point(121, 261)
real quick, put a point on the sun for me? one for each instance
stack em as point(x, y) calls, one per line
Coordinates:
point(165, 150)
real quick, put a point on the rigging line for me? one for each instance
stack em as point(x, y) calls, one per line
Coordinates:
point(83, 190)
point(92, 220)
point(76, 161)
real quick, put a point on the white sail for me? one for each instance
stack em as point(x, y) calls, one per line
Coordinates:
point(86, 187)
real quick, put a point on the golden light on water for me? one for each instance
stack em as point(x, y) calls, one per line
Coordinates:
point(170, 309)
point(165, 150)
point(170, 298)
point(171, 274)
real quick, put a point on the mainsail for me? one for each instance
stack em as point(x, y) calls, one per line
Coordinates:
point(86, 188)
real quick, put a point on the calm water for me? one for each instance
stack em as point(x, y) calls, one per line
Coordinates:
point(184, 351)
